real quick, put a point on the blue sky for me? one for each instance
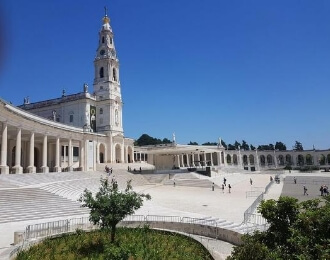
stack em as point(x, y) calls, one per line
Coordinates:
point(240, 70)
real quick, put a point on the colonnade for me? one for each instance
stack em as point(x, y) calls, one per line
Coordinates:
point(20, 151)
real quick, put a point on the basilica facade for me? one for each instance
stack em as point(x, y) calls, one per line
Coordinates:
point(73, 131)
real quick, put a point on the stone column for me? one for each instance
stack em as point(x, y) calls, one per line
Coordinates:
point(211, 154)
point(70, 159)
point(275, 158)
point(82, 155)
point(193, 160)
point(31, 167)
point(257, 161)
point(44, 166)
point(18, 168)
point(219, 158)
point(57, 155)
point(182, 160)
point(3, 164)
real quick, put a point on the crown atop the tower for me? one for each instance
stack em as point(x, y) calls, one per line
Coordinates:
point(106, 20)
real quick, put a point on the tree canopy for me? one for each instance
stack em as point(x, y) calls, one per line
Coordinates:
point(111, 205)
point(298, 146)
point(280, 146)
point(148, 140)
point(296, 231)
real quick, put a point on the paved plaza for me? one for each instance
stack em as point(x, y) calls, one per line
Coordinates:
point(37, 198)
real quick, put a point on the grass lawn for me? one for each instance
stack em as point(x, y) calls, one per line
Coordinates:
point(133, 244)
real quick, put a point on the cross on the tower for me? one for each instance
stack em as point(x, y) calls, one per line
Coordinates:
point(105, 11)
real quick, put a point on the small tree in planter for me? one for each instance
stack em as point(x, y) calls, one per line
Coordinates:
point(111, 205)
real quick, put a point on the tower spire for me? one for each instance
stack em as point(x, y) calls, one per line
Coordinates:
point(105, 11)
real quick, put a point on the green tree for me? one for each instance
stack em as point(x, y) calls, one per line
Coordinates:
point(111, 205)
point(166, 141)
point(245, 145)
point(252, 148)
point(298, 146)
point(280, 146)
point(296, 231)
point(193, 143)
point(237, 145)
point(209, 143)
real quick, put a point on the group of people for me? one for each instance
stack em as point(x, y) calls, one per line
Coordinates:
point(108, 170)
point(324, 190)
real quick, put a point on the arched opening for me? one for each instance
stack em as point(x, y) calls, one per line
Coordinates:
point(322, 159)
point(288, 159)
point(309, 159)
point(245, 159)
point(129, 154)
point(118, 153)
point(262, 160)
point(300, 160)
point(251, 159)
point(328, 158)
point(102, 153)
point(114, 74)
point(269, 159)
point(101, 72)
point(281, 160)
point(228, 159)
point(235, 160)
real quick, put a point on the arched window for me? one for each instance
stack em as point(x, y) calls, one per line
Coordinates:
point(101, 72)
point(114, 73)
point(110, 40)
point(101, 111)
point(103, 39)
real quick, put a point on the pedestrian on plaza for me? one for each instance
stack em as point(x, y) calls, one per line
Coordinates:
point(213, 186)
point(223, 188)
point(229, 187)
point(294, 180)
point(305, 191)
point(271, 178)
point(251, 181)
point(321, 190)
point(110, 171)
point(224, 181)
point(173, 183)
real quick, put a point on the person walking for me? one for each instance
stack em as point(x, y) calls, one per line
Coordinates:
point(251, 181)
point(305, 191)
point(213, 186)
point(224, 181)
point(294, 180)
point(229, 187)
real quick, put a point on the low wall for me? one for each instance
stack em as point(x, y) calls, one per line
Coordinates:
point(226, 235)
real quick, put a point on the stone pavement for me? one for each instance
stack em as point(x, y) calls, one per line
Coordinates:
point(36, 198)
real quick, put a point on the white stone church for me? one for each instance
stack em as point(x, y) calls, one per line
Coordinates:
point(84, 130)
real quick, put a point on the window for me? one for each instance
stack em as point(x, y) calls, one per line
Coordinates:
point(101, 111)
point(110, 40)
point(71, 118)
point(103, 39)
point(114, 73)
point(101, 72)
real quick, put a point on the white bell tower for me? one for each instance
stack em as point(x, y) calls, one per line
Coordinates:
point(107, 83)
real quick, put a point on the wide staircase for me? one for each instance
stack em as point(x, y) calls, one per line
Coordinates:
point(190, 180)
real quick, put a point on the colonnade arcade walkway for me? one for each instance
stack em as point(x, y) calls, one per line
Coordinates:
point(32, 144)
